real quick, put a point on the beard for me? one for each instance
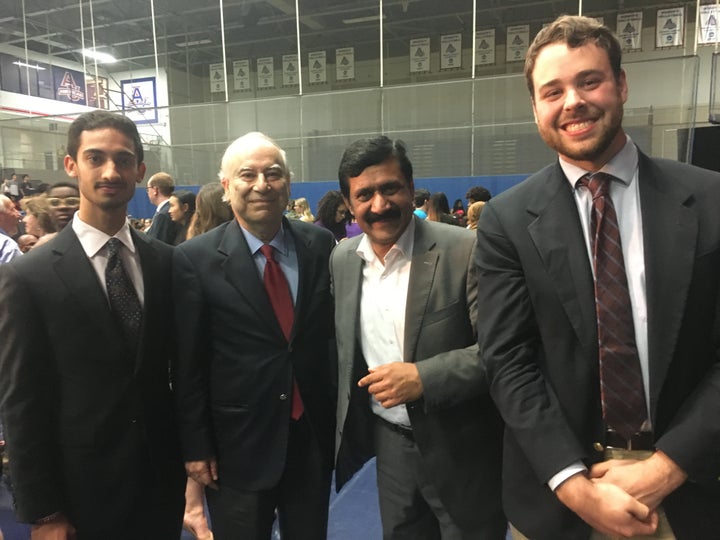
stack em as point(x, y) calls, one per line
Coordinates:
point(590, 150)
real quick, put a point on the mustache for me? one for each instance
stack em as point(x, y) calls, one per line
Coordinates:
point(392, 213)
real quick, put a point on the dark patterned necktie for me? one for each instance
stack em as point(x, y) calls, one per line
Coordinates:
point(278, 290)
point(124, 302)
point(621, 385)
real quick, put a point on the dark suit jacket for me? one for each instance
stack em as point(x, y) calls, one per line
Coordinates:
point(163, 227)
point(538, 336)
point(89, 424)
point(235, 367)
point(455, 424)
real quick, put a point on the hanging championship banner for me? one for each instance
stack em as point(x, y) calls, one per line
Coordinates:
point(485, 47)
point(345, 64)
point(708, 24)
point(266, 72)
point(217, 78)
point(518, 40)
point(139, 100)
point(450, 51)
point(317, 67)
point(629, 30)
point(670, 27)
point(420, 55)
point(291, 70)
point(241, 74)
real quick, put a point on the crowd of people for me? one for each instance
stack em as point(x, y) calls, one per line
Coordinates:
point(543, 362)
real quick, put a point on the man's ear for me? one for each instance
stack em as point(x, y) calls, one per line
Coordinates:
point(141, 173)
point(70, 166)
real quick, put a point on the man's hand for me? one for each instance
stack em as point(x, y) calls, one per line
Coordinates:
point(649, 480)
point(393, 384)
point(57, 529)
point(203, 472)
point(606, 507)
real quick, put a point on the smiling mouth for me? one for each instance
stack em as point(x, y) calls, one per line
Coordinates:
point(578, 125)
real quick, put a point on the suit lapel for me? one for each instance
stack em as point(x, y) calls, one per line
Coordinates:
point(151, 275)
point(241, 272)
point(306, 272)
point(556, 232)
point(74, 269)
point(349, 281)
point(670, 232)
point(422, 274)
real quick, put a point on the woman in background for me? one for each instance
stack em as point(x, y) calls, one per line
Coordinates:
point(473, 214)
point(439, 209)
point(182, 208)
point(333, 214)
point(302, 209)
point(210, 210)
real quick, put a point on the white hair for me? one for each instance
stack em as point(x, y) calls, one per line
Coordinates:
point(241, 144)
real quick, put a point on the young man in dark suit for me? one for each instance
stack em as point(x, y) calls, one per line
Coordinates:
point(599, 278)
point(411, 388)
point(86, 400)
point(255, 379)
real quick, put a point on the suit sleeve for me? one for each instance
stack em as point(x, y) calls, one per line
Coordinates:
point(510, 346)
point(456, 375)
point(191, 368)
point(27, 400)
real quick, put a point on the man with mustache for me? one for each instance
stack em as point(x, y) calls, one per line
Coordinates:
point(411, 388)
point(599, 278)
point(255, 379)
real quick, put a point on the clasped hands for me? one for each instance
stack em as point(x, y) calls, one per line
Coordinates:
point(621, 497)
point(393, 384)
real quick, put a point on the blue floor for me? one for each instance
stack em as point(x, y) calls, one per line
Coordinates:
point(354, 513)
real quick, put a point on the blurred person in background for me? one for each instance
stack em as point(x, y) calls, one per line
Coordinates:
point(182, 208)
point(37, 219)
point(64, 200)
point(473, 214)
point(332, 214)
point(159, 188)
point(302, 209)
point(439, 209)
point(211, 210)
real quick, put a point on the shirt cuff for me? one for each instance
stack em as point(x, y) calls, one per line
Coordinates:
point(566, 473)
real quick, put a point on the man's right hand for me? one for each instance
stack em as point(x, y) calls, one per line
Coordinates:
point(203, 472)
point(57, 529)
point(607, 508)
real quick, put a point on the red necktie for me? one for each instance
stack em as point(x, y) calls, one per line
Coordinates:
point(278, 290)
point(621, 385)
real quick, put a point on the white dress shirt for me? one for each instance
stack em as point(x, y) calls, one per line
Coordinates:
point(382, 310)
point(93, 243)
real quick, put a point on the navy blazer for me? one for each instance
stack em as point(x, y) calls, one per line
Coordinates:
point(538, 336)
point(235, 368)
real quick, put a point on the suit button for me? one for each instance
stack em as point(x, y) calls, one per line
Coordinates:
point(283, 397)
point(598, 447)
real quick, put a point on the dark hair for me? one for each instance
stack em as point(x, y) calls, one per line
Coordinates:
point(574, 31)
point(439, 202)
point(210, 209)
point(327, 211)
point(63, 185)
point(478, 193)
point(458, 205)
point(368, 152)
point(90, 121)
point(421, 196)
point(186, 197)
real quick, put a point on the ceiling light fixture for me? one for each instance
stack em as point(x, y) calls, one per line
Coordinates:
point(358, 20)
point(101, 57)
point(193, 43)
point(23, 64)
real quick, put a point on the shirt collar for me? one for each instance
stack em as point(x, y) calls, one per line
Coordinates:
point(622, 165)
point(93, 240)
point(403, 247)
point(279, 242)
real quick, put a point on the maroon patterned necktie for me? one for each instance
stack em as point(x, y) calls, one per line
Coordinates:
point(278, 290)
point(621, 384)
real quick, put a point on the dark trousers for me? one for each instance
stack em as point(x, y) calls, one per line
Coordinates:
point(410, 508)
point(301, 497)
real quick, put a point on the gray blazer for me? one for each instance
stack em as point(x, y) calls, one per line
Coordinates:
point(454, 423)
